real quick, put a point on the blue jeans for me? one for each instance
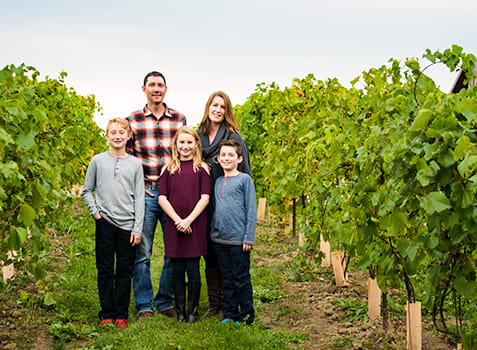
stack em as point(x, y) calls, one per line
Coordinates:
point(234, 266)
point(142, 285)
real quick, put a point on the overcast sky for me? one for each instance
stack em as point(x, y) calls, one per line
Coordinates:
point(107, 47)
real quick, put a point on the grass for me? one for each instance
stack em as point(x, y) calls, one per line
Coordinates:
point(73, 313)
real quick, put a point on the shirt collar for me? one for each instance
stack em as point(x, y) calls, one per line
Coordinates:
point(147, 111)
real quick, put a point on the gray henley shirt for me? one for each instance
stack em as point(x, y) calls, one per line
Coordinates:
point(114, 187)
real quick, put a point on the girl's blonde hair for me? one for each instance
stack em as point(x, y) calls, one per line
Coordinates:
point(197, 162)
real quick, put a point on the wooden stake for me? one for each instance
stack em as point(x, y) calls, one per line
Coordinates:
point(9, 270)
point(338, 268)
point(261, 209)
point(414, 326)
point(374, 299)
point(325, 248)
point(289, 224)
point(301, 239)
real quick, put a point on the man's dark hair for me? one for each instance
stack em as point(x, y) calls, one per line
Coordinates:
point(154, 74)
point(232, 143)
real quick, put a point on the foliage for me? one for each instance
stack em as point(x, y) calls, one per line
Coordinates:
point(355, 310)
point(385, 169)
point(47, 138)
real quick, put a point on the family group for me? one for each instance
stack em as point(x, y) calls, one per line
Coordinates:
point(197, 184)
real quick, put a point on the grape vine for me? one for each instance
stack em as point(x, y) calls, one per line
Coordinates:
point(47, 138)
point(387, 170)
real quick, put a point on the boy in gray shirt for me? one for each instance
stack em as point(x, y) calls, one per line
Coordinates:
point(233, 233)
point(114, 194)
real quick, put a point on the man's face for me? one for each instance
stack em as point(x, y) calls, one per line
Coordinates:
point(155, 90)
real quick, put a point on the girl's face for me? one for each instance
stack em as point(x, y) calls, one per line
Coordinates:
point(186, 145)
point(217, 110)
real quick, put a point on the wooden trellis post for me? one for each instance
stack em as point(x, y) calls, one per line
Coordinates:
point(414, 326)
point(374, 299)
point(325, 248)
point(339, 267)
point(262, 202)
point(9, 270)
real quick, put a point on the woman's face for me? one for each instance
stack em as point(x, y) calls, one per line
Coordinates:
point(217, 110)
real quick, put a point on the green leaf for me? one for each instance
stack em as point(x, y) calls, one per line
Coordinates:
point(422, 120)
point(50, 299)
point(435, 202)
point(463, 146)
point(461, 285)
point(27, 141)
point(27, 214)
point(446, 159)
point(394, 223)
point(17, 237)
point(468, 166)
point(412, 251)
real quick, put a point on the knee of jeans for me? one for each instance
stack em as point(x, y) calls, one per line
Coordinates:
point(143, 253)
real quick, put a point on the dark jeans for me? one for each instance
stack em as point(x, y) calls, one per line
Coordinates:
point(234, 266)
point(181, 265)
point(114, 287)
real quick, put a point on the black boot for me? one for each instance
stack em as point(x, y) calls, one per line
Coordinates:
point(214, 291)
point(193, 298)
point(180, 297)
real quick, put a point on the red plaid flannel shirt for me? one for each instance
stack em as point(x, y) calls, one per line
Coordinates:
point(152, 138)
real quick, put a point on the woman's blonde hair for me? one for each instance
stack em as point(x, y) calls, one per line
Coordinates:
point(175, 163)
point(229, 119)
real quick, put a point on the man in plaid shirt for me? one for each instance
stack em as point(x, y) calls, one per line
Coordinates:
point(153, 128)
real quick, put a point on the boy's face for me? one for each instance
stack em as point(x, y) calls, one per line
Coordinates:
point(117, 136)
point(228, 158)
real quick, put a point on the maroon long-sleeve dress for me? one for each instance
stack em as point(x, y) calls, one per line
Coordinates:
point(183, 190)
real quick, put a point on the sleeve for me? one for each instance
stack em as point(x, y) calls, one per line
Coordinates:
point(130, 143)
point(204, 182)
point(139, 198)
point(251, 210)
point(89, 187)
point(162, 189)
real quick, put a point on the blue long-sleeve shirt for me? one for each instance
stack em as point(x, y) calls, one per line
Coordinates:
point(235, 216)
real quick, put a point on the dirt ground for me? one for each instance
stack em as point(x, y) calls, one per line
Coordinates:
point(303, 307)
point(306, 307)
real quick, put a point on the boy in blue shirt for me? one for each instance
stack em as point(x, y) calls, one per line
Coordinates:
point(233, 233)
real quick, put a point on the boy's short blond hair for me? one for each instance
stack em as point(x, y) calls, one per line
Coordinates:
point(122, 122)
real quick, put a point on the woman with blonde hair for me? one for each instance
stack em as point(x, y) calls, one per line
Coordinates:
point(218, 123)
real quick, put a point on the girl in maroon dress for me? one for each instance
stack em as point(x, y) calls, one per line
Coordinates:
point(184, 189)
